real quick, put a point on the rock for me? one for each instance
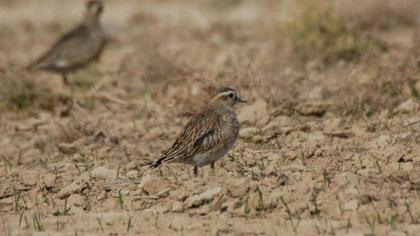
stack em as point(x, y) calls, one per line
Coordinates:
point(279, 123)
point(3, 172)
point(132, 174)
point(104, 173)
point(253, 201)
point(177, 206)
point(415, 182)
point(332, 128)
point(410, 122)
point(74, 187)
point(351, 191)
point(249, 132)
point(124, 192)
point(396, 233)
point(29, 177)
point(255, 114)
point(354, 234)
point(350, 205)
point(49, 180)
point(132, 165)
point(275, 196)
point(340, 134)
point(296, 166)
point(230, 206)
point(270, 170)
point(408, 106)
point(76, 200)
point(316, 136)
point(29, 155)
point(33, 123)
point(316, 93)
point(163, 193)
point(381, 142)
point(199, 199)
point(238, 187)
point(312, 108)
point(401, 166)
point(152, 185)
point(412, 229)
point(9, 150)
point(339, 224)
point(331, 124)
point(67, 148)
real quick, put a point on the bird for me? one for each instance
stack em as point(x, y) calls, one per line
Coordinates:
point(208, 135)
point(78, 47)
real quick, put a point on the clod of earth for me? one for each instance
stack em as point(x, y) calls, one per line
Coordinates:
point(202, 198)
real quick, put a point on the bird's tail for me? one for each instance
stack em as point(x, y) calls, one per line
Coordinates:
point(156, 163)
point(36, 65)
point(160, 161)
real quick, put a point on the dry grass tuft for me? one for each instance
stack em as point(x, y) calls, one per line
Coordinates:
point(316, 33)
point(385, 91)
point(19, 92)
point(380, 14)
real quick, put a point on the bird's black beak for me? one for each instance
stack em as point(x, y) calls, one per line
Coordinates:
point(238, 99)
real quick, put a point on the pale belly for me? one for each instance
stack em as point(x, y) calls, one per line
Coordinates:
point(210, 157)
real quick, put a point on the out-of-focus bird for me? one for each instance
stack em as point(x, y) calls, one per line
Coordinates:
point(78, 47)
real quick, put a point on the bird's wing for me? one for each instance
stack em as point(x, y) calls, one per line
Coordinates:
point(198, 136)
point(65, 47)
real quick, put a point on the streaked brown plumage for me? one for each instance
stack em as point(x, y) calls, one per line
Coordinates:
point(78, 47)
point(208, 136)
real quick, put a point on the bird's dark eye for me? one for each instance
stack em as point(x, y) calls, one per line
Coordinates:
point(231, 95)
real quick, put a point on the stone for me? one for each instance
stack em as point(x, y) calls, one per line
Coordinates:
point(29, 177)
point(331, 125)
point(237, 187)
point(316, 136)
point(249, 132)
point(152, 185)
point(339, 224)
point(177, 206)
point(350, 205)
point(104, 173)
point(396, 233)
point(76, 200)
point(312, 108)
point(412, 229)
point(278, 123)
point(297, 165)
point(74, 187)
point(339, 134)
point(255, 114)
point(132, 174)
point(354, 234)
point(67, 148)
point(201, 198)
point(275, 196)
point(408, 106)
point(381, 142)
point(315, 93)
point(49, 180)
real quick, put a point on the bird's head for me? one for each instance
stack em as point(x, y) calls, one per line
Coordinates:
point(94, 8)
point(227, 96)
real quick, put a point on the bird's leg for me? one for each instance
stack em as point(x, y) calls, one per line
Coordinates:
point(212, 168)
point(195, 171)
point(66, 82)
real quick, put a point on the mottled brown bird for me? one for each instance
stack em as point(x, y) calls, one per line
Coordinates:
point(208, 136)
point(78, 47)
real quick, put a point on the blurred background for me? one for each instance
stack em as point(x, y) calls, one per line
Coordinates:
point(286, 51)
